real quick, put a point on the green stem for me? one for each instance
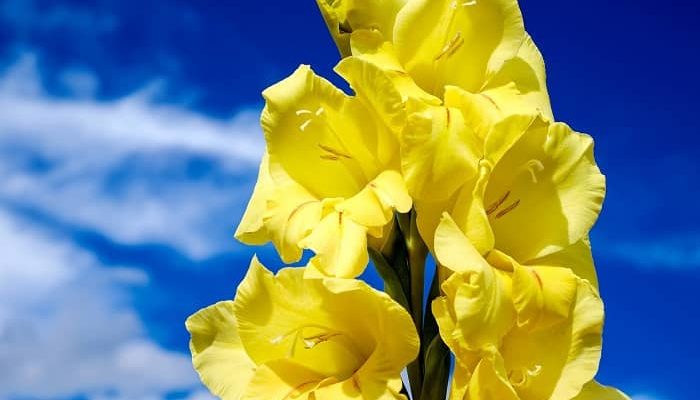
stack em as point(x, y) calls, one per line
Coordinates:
point(417, 253)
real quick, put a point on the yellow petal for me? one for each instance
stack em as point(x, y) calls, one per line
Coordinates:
point(251, 230)
point(577, 257)
point(344, 16)
point(476, 311)
point(543, 295)
point(595, 391)
point(270, 330)
point(428, 216)
point(282, 379)
point(555, 363)
point(319, 137)
point(526, 72)
point(292, 213)
point(498, 116)
point(373, 86)
point(340, 245)
point(374, 206)
point(469, 213)
point(371, 313)
point(545, 193)
point(336, 328)
point(490, 380)
point(337, 27)
point(467, 210)
point(459, 383)
point(217, 353)
point(458, 43)
point(454, 251)
point(439, 153)
point(372, 47)
point(346, 389)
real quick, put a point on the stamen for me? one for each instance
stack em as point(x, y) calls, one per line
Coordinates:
point(469, 3)
point(508, 209)
point(333, 151)
point(451, 46)
point(278, 339)
point(494, 206)
point(534, 167)
point(304, 125)
point(312, 341)
point(319, 111)
point(329, 157)
point(302, 112)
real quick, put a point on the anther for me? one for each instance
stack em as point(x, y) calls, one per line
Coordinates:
point(319, 111)
point(508, 209)
point(333, 151)
point(451, 46)
point(494, 206)
point(469, 3)
point(302, 112)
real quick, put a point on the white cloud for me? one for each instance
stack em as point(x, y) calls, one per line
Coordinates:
point(645, 397)
point(127, 168)
point(132, 170)
point(663, 252)
point(66, 327)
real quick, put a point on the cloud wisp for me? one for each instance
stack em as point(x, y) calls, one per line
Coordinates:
point(135, 170)
point(70, 328)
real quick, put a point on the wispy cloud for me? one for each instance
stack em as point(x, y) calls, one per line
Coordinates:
point(133, 169)
point(66, 325)
point(645, 397)
point(674, 252)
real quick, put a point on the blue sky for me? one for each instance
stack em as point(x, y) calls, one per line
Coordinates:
point(128, 148)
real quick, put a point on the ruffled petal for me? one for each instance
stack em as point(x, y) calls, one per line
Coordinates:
point(345, 16)
point(545, 193)
point(318, 136)
point(595, 391)
point(577, 257)
point(374, 206)
point(439, 153)
point(556, 362)
point(282, 379)
point(251, 230)
point(292, 213)
point(526, 72)
point(217, 353)
point(460, 43)
point(340, 245)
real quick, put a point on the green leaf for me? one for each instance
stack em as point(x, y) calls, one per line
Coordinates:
point(437, 370)
point(392, 281)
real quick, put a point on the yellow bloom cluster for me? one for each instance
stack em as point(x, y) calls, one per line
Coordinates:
point(448, 146)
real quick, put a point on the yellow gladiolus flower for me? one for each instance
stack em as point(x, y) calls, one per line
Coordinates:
point(530, 190)
point(288, 337)
point(331, 173)
point(479, 47)
point(530, 334)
